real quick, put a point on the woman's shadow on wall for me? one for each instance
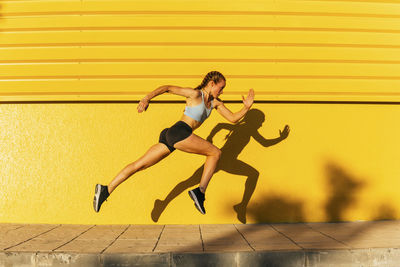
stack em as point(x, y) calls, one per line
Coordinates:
point(238, 137)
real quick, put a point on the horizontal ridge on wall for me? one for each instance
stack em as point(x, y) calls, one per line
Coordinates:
point(130, 102)
point(286, 50)
point(280, 7)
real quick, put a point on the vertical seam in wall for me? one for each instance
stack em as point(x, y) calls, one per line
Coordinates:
point(73, 238)
point(33, 237)
point(115, 239)
point(201, 238)
point(244, 238)
point(286, 237)
point(158, 240)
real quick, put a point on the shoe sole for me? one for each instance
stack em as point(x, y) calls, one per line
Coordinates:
point(196, 202)
point(97, 191)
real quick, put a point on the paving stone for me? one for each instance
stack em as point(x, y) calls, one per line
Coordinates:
point(5, 227)
point(16, 236)
point(179, 248)
point(275, 247)
point(181, 242)
point(184, 227)
point(167, 239)
point(132, 246)
point(342, 231)
point(357, 244)
point(103, 232)
point(307, 237)
point(65, 232)
point(264, 237)
point(181, 238)
point(225, 247)
point(324, 244)
point(216, 237)
point(142, 232)
point(52, 239)
point(85, 246)
point(218, 228)
point(95, 240)
point(39, 245)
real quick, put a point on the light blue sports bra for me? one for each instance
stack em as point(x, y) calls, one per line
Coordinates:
point(200, 112)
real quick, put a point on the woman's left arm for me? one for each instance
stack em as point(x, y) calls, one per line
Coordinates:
point(235, 117)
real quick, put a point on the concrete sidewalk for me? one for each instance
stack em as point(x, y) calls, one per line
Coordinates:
point(303, 244)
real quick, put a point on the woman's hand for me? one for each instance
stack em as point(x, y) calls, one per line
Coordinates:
point(143, 105)
point(248, 101)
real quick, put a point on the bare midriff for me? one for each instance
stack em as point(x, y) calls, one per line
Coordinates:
point(191, 122)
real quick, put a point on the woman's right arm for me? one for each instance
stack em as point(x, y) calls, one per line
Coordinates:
point(187, 92)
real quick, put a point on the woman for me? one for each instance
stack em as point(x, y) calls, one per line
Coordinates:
point(199, 103)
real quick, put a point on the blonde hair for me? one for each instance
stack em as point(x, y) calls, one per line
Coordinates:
point(214, 76)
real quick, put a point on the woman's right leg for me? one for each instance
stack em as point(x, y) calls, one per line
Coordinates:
point(156, 153)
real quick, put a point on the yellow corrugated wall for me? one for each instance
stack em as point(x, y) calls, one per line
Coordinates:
point(71, 73)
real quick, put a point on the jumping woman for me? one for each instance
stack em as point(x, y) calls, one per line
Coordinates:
point(199, 103)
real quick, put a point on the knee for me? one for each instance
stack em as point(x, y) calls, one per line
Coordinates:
point(216, 152)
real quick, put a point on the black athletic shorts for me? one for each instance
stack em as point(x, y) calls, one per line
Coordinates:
point(177, 132)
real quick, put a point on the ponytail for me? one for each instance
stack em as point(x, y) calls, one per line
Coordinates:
point(214, 76)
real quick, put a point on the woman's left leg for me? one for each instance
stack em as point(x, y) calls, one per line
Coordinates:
point(197, 145)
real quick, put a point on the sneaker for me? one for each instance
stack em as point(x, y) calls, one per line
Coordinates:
point(198, 197)
point(100, 195)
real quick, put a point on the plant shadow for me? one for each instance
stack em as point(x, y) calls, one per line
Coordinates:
point(237, 139)
point(342, 191)
point(277, 209)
